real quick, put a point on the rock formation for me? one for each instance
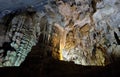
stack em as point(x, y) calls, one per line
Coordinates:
point(83, 31)
point(23, 33)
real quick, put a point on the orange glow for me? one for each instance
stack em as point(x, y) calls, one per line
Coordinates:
point(63, 33)
point(62, 43)
point(61, 48)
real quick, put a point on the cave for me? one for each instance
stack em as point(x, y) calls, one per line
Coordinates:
point(59, 38)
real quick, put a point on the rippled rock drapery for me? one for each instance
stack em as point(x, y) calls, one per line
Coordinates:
point(23, 33)
point(83, 31)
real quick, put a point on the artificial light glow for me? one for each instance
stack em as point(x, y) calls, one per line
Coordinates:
point(62, 44)
point(61, 48)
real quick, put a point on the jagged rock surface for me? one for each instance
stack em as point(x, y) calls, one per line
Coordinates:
point(106, 20)
point(81, 45)
point(92, 34)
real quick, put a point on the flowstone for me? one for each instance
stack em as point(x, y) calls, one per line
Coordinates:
point(24, 31)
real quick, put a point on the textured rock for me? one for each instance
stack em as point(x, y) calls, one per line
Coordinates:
point(106, 20)
point(23, 32)
point(91, 41)
point(83, 31)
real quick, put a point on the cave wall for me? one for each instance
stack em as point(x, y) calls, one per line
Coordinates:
point(92, 36)
point(83, 31)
